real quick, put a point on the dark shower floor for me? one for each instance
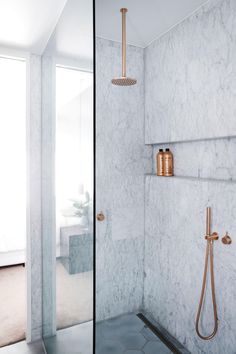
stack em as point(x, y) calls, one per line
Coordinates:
point(127, 334)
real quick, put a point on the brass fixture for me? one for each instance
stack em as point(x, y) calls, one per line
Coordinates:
point(160, 163)
point(168, 163)
point(212, 237)
point(209, 253)
point(100, 216)
point(123, 80)
point(226, 239)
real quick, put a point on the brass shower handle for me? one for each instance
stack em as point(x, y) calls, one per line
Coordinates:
point(100, 216)
point(226, 239)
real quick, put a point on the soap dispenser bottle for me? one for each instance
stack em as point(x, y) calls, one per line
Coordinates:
point(168, 163)
point(160, 163)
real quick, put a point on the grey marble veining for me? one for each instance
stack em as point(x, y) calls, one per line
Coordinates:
point(190, 77)
point(34, 250)
point(76, 250)
point(121, 162)
point(215, 159)
point(48, 200)
point(174, 259)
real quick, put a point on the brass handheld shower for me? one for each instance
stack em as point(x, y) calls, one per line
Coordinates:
point(209, 253)
point(123, 80)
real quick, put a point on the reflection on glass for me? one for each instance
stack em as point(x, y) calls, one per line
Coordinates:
point(74, 189)
point(67, 182)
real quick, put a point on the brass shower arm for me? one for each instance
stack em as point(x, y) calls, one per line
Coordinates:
point(123, 80)
point(123, 11)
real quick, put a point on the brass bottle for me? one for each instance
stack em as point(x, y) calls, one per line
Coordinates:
point(160, 163)
point(168, 163)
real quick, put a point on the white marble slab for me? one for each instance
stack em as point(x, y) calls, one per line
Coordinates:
point(34, 242)
point(214, 159)
point(174, 259)
point(48, 197)
point(190, 77)
point(121, 162)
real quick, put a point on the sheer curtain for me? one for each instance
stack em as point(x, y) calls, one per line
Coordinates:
point(12, 155)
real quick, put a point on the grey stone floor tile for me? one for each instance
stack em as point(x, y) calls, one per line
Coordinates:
point(117, 328)
point(109, 347)
point(128, 321)
point(156, 348)
point(127, 334)
point(148, 334)
point(133, 340)
point(74, 340)
point(110, 332)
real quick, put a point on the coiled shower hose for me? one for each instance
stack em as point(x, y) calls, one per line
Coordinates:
point(209, 253)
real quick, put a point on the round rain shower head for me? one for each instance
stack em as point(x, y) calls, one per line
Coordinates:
point(123, 80)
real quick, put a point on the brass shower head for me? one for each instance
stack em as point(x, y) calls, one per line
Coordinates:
point(123, 80)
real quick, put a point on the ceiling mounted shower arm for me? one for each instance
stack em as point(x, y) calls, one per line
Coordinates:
point(123, 11)
point(123, 80)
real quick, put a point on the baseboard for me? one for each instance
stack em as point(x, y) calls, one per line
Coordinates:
point(12, 258)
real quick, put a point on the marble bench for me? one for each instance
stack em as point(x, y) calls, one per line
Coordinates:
point(76, 245)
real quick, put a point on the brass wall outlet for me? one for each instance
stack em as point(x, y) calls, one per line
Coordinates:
point(226, 239)
point(100, 216)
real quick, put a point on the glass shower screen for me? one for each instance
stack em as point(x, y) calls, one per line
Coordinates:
point(67, 182)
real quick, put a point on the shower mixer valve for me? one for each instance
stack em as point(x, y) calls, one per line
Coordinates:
point(212, 237)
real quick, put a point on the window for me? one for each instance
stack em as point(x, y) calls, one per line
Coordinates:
point(12, 155)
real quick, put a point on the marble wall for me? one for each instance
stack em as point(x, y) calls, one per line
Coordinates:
point(48, 197)
point(121, 162)
point(34, 244)
point(190, 105)
point(213, 159)
point(190, 77)
point(174, 259)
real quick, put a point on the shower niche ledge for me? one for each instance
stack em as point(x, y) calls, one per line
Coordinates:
point(191, 178)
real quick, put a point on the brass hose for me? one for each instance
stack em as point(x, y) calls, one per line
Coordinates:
point(209, 253)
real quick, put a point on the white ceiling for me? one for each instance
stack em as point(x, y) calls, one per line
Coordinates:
point(73, 35)
point(28, 24)
point(146, 19)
